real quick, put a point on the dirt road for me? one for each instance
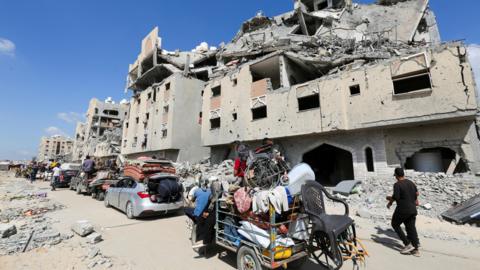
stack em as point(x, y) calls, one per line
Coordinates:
point(162, 243)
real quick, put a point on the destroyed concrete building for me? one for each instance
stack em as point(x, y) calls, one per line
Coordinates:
point(101, 134)
point(353, 90)
point(166, 101)
point(55, 147)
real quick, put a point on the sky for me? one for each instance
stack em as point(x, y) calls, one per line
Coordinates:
point(55, 55)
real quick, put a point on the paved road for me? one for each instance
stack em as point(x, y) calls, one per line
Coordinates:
point(162, 243)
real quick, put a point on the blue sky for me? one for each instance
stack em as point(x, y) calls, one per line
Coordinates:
point(55, 55)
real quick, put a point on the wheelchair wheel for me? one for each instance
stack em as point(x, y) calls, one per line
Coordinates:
point(324, 252)
point(263, 172)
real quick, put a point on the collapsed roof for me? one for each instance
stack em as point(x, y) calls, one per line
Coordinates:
point(324, 34)
point(154, 63)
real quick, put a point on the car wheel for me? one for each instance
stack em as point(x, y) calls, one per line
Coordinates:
point(78, 190)
point(129, 210)
point(106, 203)
point(247, 259)
point(101, 196)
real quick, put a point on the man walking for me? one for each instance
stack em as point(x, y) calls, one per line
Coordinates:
point(405, 194)
point(56, 176)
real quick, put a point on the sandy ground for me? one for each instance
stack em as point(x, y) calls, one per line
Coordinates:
point(162, 243)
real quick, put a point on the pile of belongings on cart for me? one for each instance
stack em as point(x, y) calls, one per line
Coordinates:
point(143, 167)
point(249, 214)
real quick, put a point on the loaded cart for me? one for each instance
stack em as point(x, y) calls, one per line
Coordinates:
point(259, 243)
point(285, 224)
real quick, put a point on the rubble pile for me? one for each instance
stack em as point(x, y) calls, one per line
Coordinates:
point(188, 172)
point(23, 224)
point(438, 192)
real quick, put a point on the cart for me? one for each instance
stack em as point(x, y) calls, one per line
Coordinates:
point(252, 255)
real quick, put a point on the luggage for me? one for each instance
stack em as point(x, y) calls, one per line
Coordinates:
point(168, 191)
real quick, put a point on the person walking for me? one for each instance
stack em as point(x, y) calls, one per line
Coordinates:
point(405, 194)
point(33, 174)
point(56, 176)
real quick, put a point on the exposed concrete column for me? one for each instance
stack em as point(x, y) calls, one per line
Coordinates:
point(284, 81)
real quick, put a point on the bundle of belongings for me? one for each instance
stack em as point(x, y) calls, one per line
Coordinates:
point(268, 218)
point(144, 167)
point(164, 188)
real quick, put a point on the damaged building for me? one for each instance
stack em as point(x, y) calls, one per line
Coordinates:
point(101, 135)
point(351, 89)
point(55, 147)
point(165, 106)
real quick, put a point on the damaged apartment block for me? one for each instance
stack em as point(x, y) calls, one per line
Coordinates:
point(164, 110)
point(101, 135)
point(351, 89)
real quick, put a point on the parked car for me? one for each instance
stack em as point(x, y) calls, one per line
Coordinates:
point(159, 194)
point(81, 184)
point(67, 172)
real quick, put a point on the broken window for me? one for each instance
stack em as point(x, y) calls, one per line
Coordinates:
point(137, 120)
point(202, 75)
point(267, 69)
point(164, 133)
point(167, 86)
point(126, 125)
point(154, 94)
point(216, 91)
point(369, 159)
point(322, 5)
point(259, 112)
point(439, 159)
point(215, 123)
point(165, 109)
point(308, 102)
point(96, 110)
point(147, 116)
point(355, 90)
point(234, 116)
point(412, 82)
point(149, 96)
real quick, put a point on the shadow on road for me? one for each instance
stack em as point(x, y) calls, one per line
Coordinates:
point(387, 238)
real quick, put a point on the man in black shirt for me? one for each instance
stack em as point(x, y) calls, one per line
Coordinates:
point(405, 194)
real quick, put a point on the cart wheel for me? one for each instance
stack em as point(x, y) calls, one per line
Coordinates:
point(247, 259)
point(101, 196)
point(325, 253)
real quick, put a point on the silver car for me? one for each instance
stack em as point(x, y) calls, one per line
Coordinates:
point(138, 199)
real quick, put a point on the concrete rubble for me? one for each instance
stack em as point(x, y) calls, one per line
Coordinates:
point(438, 192)
point(82, 228)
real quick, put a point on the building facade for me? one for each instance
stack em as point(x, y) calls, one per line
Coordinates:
point(348, 110)
point(164, 112)
point(55, 147)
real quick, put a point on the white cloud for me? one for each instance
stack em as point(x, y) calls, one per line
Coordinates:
point(71, 117)
point(474, 57)
point(52, 131)
point(7, 47)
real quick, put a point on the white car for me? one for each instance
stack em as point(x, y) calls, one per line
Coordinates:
point(138, 199)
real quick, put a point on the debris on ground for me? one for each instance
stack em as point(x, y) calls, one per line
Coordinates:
point(82, 228)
